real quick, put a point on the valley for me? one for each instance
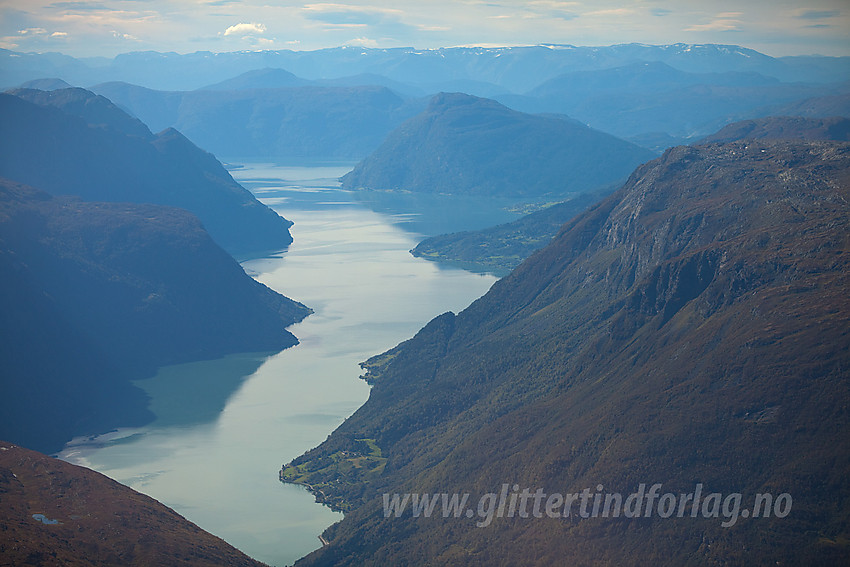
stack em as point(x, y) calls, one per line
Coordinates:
point(219, 466)
point(286, 293)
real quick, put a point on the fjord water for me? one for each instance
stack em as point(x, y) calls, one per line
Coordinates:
point(224, 427)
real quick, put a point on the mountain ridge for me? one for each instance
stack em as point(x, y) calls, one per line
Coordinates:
point(502, 248)
point(516, 68)
point(690, 328)
point(468, 145)
point(312, 121)
point(60, 152)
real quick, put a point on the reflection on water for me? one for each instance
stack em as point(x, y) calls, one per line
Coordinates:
point(225, 427)
point(174, 391)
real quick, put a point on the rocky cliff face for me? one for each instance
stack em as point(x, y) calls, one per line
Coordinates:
point(690, 329)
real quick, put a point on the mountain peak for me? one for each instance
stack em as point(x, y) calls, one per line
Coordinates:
point(266, 78)
point(73, 142)
point(95, 109)
point(463, 144)
point(47, 84)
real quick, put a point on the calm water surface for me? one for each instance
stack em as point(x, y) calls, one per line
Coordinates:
point(225, 427)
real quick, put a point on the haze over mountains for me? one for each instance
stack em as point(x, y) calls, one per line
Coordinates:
point(73, 142)
point(335, 104)
point(692, 327)
point(517, 69)
point(641, 100)
point(308, 122)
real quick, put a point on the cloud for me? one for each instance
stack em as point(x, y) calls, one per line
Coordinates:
point(611, 12)
point(425, 27)
point(362, 42)
point(79, 6)
point(554, 9)
point(31, 36)
point(345, 15)
point(245, 29)
point(127, 36)
point(725, 21)
point(818, 14)
point(661, 12)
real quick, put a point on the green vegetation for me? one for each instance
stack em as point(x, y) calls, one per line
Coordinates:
point(328, 476)
point(375, 365)
point(502, 248)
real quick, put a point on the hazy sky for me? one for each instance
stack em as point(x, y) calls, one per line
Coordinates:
point(88, 28)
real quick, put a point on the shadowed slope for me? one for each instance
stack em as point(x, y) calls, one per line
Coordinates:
point(96, 294)
point(72, 142)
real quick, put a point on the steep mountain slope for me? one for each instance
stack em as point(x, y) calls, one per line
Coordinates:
point(817, 107)
point(96, 294)
point(306, 122)
point(467, 145)
point(56, 513)
point(72, 142)
point(692, 330)
point(501, 248)
point(95, 110)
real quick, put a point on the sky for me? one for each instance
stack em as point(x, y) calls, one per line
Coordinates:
point(85, 28)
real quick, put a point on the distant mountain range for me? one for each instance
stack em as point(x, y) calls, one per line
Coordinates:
point(283, 122)
point(501, 248)
point(73, 142)
point(57, 513)
point(641, 99)
point(515, 69)
point(690, 331)
point(97, 294)
point(339, 104)
point(466, 145)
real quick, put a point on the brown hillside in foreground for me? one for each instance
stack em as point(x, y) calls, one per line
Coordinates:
point(97, 520)
point(693, 328)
